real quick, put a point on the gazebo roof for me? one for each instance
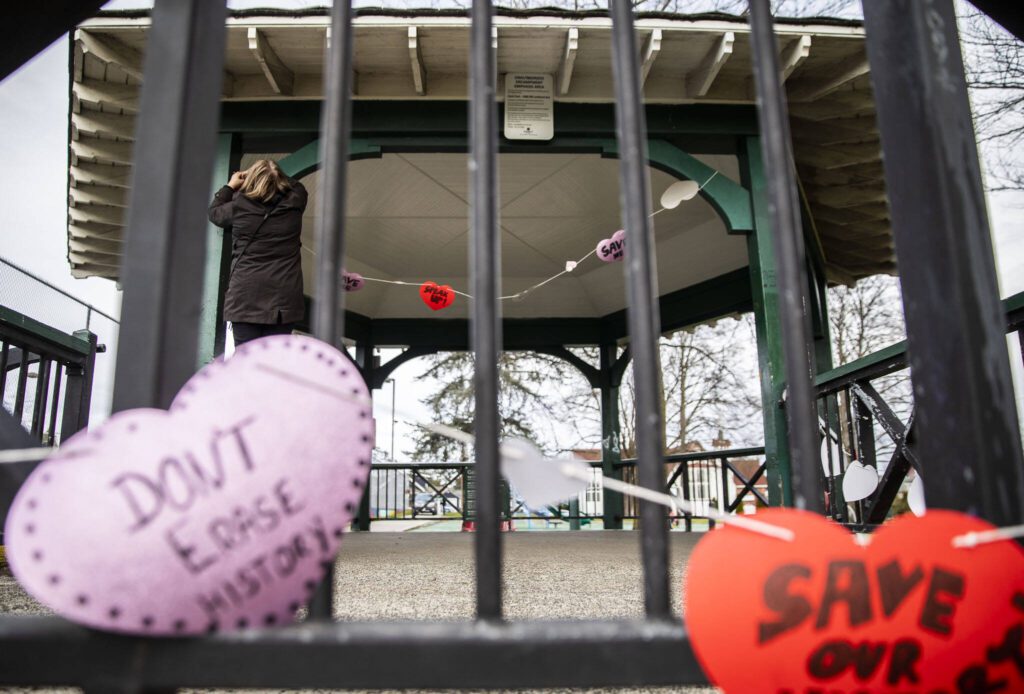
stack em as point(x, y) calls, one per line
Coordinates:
point(422, 55)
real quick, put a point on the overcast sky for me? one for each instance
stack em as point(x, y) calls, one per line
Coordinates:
point(33, 149)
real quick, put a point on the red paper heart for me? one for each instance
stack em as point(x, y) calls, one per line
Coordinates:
point(437, 296)
point(908, 613)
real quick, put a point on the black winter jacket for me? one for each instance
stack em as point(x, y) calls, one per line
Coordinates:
point(266, 269)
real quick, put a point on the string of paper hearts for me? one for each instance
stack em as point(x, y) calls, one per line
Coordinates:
point(609, 250)
point(542, 481)
point(545, 481)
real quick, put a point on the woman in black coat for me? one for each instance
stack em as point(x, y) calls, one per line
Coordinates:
point(264, 209)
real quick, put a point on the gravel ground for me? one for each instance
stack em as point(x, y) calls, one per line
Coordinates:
point(429, 576)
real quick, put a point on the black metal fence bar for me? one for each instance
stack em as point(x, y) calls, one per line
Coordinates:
point(853, 402)
point(51, 651)
point(26, 343)
point(172, 165)
point(788, 246)
point(966, 416)
point(642, 292)
point(485, 325)
point(336, 127)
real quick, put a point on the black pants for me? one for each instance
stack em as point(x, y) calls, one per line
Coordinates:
point(244, 332)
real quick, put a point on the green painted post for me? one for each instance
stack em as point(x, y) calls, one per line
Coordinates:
point(218, 260)
point(765, 294)
point(818, 294)
point(611, 454)
point(364, 360)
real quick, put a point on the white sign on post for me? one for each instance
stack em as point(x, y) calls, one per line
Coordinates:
point(529, 107)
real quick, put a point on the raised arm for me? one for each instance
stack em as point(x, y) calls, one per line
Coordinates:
point(222, 209)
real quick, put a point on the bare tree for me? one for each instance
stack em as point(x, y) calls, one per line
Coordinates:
point(865, 317)
point(994, 66)
point(526, 404)
point(709, 377)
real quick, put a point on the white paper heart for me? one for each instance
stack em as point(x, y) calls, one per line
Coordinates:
point(221, 513)
point(915, 496)
point(677, 192)
point(859, 481)
point(539, 480)
point(830, 443)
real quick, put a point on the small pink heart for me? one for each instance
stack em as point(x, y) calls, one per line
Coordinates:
point(614, 249)
point(353, 281)
point(218, 514)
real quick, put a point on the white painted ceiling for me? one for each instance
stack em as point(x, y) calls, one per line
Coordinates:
point(408, 221)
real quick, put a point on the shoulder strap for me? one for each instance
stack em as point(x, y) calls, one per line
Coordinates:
point(251, 239)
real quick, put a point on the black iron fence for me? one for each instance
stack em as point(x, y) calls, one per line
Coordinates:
point(45, 376)
point(716, 482)
point(866, 415)
point(415, 491)
point(955, 345)
point(55, 310)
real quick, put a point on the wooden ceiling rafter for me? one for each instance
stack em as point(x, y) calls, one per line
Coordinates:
point(832, 108)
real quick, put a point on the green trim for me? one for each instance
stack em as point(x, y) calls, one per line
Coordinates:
point(307, 159)
point(1013, 303)
point(713, 298)
point(453, 333)
point(379, 118)
point(765, 295)
point(218, 260)
point(718, 296)
point(897, 351)
point(12, 320)
point(611, 453)
point(730, 200)
point(893, 352)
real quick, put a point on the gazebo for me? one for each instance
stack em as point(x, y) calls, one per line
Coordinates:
point(406, 133)
point(408, 192)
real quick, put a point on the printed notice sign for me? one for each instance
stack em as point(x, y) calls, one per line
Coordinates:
point(529, 107)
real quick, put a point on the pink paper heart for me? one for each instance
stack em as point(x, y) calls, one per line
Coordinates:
point(221, 513)
point(614, 249)
point(353, 281)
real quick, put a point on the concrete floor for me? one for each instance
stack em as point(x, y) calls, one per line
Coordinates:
point(429, 576)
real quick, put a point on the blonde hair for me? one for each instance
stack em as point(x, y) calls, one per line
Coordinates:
point(263, 180)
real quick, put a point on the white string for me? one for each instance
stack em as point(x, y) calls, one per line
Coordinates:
point(682, 505)
point(521, 294)
point(526, 291)
point(28, 455)
point(24, 455)
point(410, 284)
point(567, 470)
point(973, 539)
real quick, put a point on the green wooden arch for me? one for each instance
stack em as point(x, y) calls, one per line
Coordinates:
point(730, 200)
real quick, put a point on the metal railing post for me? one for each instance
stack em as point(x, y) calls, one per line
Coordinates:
point(172, 166)
point(965, 411)
point(328, 319)
point(643, 312)
point(485, 324)
point(788, 245)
